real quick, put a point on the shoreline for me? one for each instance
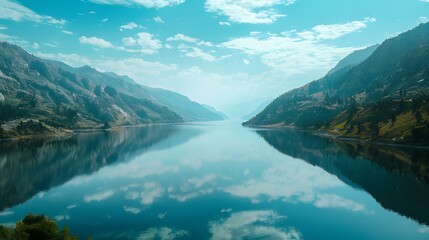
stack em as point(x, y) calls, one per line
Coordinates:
point(70, 132)
point(326, 134)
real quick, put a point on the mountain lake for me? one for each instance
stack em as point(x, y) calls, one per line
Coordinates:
point(217, 181)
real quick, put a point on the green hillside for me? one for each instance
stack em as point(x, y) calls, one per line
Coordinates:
point(383, 97)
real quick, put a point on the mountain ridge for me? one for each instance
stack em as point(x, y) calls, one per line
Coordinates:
point(383, 98)
point(40, 96)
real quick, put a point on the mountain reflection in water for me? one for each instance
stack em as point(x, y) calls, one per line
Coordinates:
point(29, 167)
point(396, 177)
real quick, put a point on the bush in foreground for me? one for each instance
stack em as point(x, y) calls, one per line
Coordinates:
point(35, 227)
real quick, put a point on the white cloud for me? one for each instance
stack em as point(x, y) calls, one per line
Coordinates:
point(183, 38)
point(129, 26)
point(62, 217)
point(132, 210)
point(224, 23)
point(97, 42)
point(251, 224)
point(148, 43)
point(289, 55)
point(151, 192)
point(295, 52)
point(98, 197)
point(129, 41)
point(50, 45)
point(288, 182)
point(158, 20)
point(194, 52)
point(74, 60)
point(67, 32)
point(144, 41)
point(6, 213)
point(198, 53)
point(145, 3)
point(135, 67)
point(3, 27)
point(199, 182)
point(427, 1)
point(5, 37)
point(245, 61)
point(163, 233)
point(248, 11)
point(92, 12)
point(423, 19)
point(35, 45)
point(335, 31)
point(14, 11)
point(335, 201)
point(192, 188)
point(71, 206)
point(104, 20)
point(424, 229)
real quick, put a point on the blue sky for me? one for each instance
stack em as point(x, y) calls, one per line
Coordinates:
point(217, 52)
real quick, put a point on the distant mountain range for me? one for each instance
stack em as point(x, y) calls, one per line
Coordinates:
point(56, 95)
point(378, 93)
point(245, 110)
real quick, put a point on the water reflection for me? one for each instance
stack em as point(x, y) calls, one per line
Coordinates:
point(396, 177)
point(29, 167)
point(220, 181)
point(252, 225)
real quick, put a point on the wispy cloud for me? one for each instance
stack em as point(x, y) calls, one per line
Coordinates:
point(162, 233)
point(72, 59)
point(6, 213)
point(423, 19)
point(335, 201)
point(248, 11)
point(135, 67)
point(95, 41)
point(5, 37)
point(98, 197)
point(248, 224)
point(67, 32)
point(158, 20)
point(334, 31)
point(132, 210)
point(198, 53)
point(14, 11)
point(144, 3)
point(183, 38)
point(143, 42)
point(35, 46)
point(129, 26)
point(298, 51)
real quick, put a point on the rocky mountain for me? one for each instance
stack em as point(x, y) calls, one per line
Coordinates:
point(34, 88)
point(384, 97)
point(182, 105)
point(242, 110)
point(54, 95)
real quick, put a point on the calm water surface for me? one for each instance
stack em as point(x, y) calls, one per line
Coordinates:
point(217, 181)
